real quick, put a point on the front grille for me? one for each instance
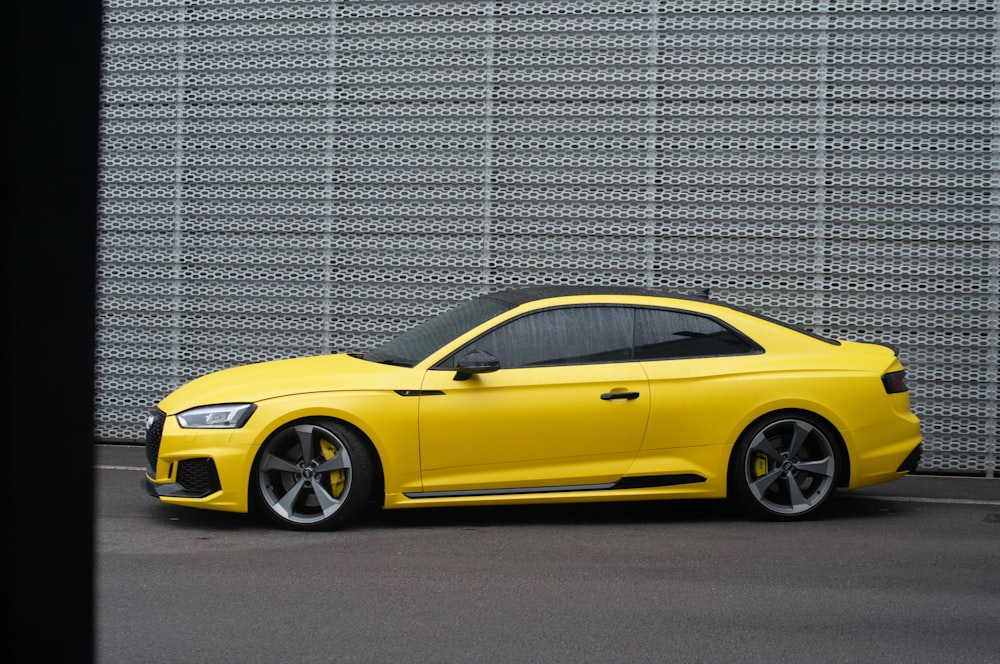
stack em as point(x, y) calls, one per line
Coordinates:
point(154, 431)
point(198, 477)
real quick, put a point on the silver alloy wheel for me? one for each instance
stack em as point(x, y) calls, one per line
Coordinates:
point(790, 467)
point(305, 474)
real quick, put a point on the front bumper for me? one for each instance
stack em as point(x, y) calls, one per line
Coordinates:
point(195, 478)
point(199, 470)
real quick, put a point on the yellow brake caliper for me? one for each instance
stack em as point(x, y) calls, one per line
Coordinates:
point(760, 465)
point(338, 479)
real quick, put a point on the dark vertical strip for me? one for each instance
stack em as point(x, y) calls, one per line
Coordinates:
point(51, 97)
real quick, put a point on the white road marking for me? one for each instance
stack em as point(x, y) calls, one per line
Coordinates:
point(935, 501)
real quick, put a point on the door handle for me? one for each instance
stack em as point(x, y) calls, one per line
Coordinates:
point(609, 396)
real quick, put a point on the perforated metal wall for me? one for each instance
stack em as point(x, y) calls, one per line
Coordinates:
point(300, 177)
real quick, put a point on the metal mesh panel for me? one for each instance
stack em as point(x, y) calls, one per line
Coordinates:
point(287, 178)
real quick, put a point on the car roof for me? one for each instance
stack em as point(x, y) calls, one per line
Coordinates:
point(518, 296)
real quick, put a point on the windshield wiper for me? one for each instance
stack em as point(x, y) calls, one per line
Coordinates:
point(388, 359)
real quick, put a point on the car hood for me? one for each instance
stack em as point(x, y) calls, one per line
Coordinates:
point(265, 380)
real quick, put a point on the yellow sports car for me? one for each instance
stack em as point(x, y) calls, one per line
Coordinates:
point(555, 394)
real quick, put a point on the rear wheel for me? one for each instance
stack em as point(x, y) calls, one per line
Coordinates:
point(785, 466)
point(313, 475)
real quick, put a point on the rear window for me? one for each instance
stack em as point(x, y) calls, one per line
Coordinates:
point(662, 334)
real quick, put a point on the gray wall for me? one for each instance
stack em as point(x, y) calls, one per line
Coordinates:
point(288, 178)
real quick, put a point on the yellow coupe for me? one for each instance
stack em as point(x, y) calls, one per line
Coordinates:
point(536, 395)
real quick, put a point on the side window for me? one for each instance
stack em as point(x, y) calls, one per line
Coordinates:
point(661, 334)
point(567, 335)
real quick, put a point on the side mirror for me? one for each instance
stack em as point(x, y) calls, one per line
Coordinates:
point(475, 362)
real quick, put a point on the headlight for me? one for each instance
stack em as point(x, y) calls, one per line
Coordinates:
point(221, 416)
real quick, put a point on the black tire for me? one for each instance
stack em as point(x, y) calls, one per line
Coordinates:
point(312, 475)
point(785, 467)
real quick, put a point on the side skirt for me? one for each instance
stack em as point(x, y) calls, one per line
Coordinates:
point(644, 482)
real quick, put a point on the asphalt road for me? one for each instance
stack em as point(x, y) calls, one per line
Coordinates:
point(906, 572)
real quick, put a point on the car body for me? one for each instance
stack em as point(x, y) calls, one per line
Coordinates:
point(545, 394)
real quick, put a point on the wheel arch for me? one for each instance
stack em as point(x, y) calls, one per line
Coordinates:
point(843, 460)
point(377, 491)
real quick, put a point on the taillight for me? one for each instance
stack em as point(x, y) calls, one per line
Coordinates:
point(895, 382)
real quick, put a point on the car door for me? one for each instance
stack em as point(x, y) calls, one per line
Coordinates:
point(566, 408)
point(700, 377)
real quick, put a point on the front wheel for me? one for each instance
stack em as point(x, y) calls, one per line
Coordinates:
point(312, 475)
point(785, 467)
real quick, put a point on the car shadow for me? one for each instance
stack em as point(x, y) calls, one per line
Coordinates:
point(582, 514)
point(842, 508)
point(185, 517)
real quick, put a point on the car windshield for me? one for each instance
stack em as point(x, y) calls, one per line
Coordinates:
point(417, 343)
